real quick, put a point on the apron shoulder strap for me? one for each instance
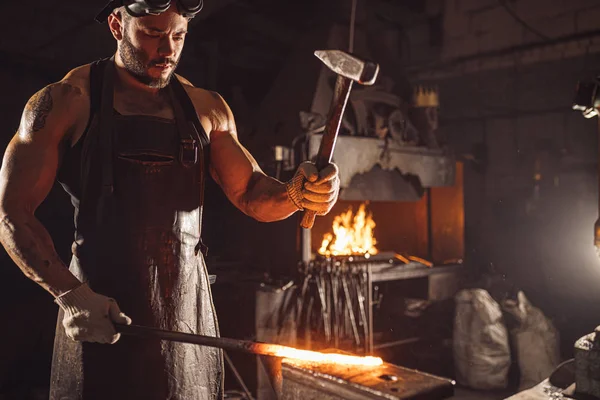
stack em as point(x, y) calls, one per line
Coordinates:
point(96, 75)
point(189, 109)
point(104, 92)
point(92, 135)
point(194, 142)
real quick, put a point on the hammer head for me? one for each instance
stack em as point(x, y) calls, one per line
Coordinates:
point(349, 66)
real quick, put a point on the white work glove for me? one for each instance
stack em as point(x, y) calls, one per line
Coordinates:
point(89, 316)
point(314, 190)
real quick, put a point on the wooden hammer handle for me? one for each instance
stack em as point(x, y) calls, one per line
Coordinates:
point(343, 86)
point(308, 219)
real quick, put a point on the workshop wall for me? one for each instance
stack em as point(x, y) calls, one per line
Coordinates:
point(531, 190)
point(484, 26)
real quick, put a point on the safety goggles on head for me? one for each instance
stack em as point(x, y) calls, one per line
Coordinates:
point(141, 8)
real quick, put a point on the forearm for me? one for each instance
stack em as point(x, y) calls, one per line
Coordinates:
point(266, 199)
point(29, 245)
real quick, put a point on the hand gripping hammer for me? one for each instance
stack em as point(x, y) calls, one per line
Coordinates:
point(349, 68)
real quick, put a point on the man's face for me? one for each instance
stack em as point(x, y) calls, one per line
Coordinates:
point(151, 46)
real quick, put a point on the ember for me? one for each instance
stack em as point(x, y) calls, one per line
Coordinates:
point(325, 358)
point(352, 235)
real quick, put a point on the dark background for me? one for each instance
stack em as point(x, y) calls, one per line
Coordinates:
point(506, 72)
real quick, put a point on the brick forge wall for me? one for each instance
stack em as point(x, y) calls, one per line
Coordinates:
point(513, 111)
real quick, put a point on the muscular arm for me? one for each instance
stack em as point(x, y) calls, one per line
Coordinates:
point(239, 175)
point(28, 171)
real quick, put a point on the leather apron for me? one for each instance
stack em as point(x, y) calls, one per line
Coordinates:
point(136, 183)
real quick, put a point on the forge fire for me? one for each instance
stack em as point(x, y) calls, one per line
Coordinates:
point(353, 234)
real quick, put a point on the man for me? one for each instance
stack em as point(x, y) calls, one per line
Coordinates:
point(126, 138)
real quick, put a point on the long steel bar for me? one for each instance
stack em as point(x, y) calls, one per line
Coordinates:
point(245, 346)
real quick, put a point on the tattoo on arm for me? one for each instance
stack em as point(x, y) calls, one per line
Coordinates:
point(40, 106)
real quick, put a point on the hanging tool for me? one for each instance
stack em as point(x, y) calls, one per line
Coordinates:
point(350, 306)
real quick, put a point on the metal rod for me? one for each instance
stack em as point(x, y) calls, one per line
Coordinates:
point(307, 326)
point(336, 307)
point(397, 343)
point(302, 297)
point(326, 284)
point(370, 308)
point(238, 377)
point(349, 307)
point(210, 341)
point(352, 26)
point(361, 295)
point(324, 308)
point(597, 224)
point(265, 349)
point(429, 225)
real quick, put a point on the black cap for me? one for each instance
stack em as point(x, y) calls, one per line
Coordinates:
point(106, 11)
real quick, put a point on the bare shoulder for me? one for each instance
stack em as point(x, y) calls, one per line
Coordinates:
point(78, 79)
point(198, 94)
point(69, 92)
point(60, 108)
point(211, 107)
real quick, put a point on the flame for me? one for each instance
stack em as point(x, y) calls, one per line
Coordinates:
point(353, 235)
point(314, 356)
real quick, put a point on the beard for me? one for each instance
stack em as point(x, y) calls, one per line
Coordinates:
point(137, 63)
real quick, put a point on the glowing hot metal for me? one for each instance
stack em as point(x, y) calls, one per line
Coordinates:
point(314, 356)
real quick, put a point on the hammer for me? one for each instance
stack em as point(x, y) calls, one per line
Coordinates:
point(349, 68)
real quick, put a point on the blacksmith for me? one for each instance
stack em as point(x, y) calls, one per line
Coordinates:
point(128, 139)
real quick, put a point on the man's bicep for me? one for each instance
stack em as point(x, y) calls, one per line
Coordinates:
point(232, 166)
point(32, 157)
point(27, 175)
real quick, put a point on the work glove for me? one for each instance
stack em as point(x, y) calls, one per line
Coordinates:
point(89, 316)
point(314, 190)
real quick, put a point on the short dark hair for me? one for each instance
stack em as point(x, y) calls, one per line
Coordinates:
point(125, 16)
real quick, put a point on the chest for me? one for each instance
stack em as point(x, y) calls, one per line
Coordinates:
point(132, 103)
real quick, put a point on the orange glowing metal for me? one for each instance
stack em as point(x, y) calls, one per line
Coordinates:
point(353, 235)
point(314, 356)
